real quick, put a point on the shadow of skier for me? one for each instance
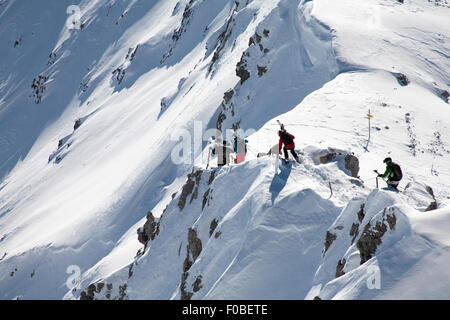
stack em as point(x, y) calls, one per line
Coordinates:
point(279, 181)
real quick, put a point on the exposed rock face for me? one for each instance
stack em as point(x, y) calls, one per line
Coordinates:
point(361, 213)
point(402, 79)
point(329, 238)
point(220, 119)
point(212, 227)
point(119, 74)
point(39, 87)
point(223, 38)
point(228, 95)
point(194, 244)
point(352, 164)
point(177, 33)
point(205, 198)
point(150, 229)
point(194, 248)
point(89, 295)
point(197, 285)
point(77, 124)
point(340, 268)
point(433, 204)
point(371, 236)
point(354, 231)
point(328, 157)
point(241, 69)
point(261, 70)
point(188, 188)
point(92, 289)
point(122, 292)
point(445, 95)
point(211, 177)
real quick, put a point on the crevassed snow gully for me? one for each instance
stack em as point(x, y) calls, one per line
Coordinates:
point(109, 188)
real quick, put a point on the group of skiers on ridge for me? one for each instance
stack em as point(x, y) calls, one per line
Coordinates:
point(223, 149)
point(393, 172)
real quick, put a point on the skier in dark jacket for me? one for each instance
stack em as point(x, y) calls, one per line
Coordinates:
point(393, 173)
point(288, 141)
point(223, 151)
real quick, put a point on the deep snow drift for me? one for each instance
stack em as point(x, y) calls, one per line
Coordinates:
point(90, 118)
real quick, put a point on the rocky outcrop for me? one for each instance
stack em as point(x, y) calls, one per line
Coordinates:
point(340, 268)
point(206, 198)
point(228, 95)
point(361, 213)
point(345, 160)
point(372, 235)
point(330, 156)
point(329, 238)
point(402, 79)
point(354, 231)
point(119, 74)
point(39, 87)
point(197, 285)
point(188, 189)
point(150, 229)
point(193, 250)
point(212, 227)
point(77, 124)
point(261, 70)
point(223, 38)
point(352, 164)
point(433, 204)
point(93, 289)
point(177, 33)
point(241, 68)
point(445, 95)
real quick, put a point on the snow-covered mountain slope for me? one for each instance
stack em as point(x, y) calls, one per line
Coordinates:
point(90, 121)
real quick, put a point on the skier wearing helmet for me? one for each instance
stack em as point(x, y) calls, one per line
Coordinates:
point(393, 173)
point(288, 141)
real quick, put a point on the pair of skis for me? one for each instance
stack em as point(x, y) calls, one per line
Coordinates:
point(277, 160)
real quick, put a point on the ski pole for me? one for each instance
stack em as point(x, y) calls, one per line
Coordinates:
point(376, 171)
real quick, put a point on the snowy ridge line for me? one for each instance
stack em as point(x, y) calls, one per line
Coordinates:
point(201, 223)
point(108, 113)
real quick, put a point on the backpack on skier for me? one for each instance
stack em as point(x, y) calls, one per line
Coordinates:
point(398, 175)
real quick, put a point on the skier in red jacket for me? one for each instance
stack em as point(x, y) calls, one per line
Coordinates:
point(288, 141)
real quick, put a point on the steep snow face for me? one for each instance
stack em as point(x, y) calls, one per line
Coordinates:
point(87, 148)
point(226, 237)
point(87, 139)
point(377, 250)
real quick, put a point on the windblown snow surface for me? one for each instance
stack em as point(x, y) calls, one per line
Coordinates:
point(96, 101)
